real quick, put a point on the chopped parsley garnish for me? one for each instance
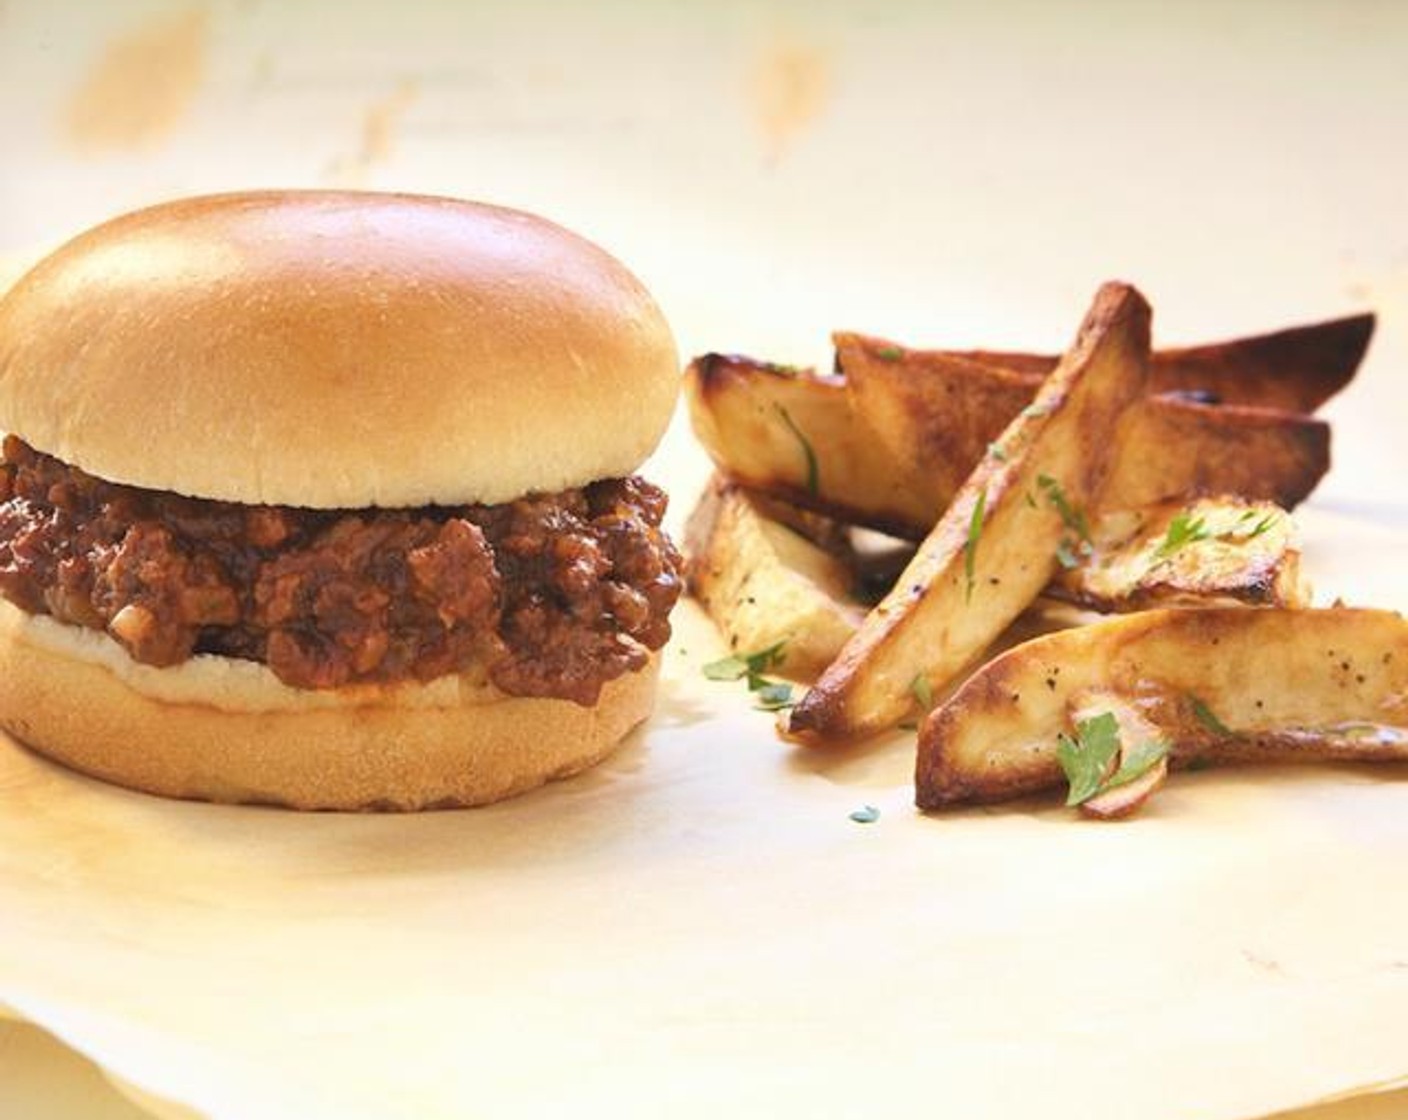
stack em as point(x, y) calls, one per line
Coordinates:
point(1208, 718)
point(771, 695)
point(1068, 551)
point(922, 691)
point(1262, 525)
point(1184, 529)
point(890, 353)
point(970, 547)
point(1137, 761)
point(808, 451)
point(1065, 555)
point(866, 814)
point(998, 452)
point(1087, 758)
point(726, 669)
point(1071, 517)
point(742, 665)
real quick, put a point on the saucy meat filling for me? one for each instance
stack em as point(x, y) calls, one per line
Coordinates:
point(555, 594)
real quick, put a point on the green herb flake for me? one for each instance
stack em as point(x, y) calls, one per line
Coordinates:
point(750, 665)
point(726, 669)
point(1065, 555)
point(922, 691)
point(1137, 761)
point(1208, 718)
point(1183, 530)
point(998, 452)
point(866, 814)
point(890, 353)
point(1086, 758)
point(772, 696)
point(970, 547)
point(1033, 411)
point(769, 695)
point(808, 451)
point(1071, 517)
point(1261, 526)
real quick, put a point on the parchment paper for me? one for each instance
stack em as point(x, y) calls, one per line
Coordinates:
point(698, 928)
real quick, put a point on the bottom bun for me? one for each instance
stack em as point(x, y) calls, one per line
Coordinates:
point(216, 729)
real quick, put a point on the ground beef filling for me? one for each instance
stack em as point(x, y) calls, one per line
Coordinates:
point(555, 594)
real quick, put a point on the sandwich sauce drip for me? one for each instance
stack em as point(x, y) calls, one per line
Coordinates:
point(552, 594)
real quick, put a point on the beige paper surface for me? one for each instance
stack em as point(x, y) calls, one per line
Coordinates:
point(697, 927)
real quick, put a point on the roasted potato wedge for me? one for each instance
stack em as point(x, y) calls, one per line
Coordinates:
point(790, 434)
point(995, 547)
point(1178, 448)
point(932, 417)
point(1223, 685)
point(764, 583)
point(935, 414)
point(1209, 552)
point(1295, 370)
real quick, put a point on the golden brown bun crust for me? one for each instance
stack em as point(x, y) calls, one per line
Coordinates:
point(70, 694)
point(336, 349)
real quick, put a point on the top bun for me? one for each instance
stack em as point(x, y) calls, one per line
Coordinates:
point(336, 349)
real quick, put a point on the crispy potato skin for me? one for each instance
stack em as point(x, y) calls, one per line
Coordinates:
point(935, 620)
point(1178, 448)
point(1283, 681)
point(1294, 370)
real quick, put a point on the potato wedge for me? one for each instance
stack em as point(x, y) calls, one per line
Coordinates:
point(1223, 685)
point(994, 549)
point(932, 417)
point(1295, 370)
point(1178, 448)
point(790, 434)
point(1209, 552)
point(935, 414)
point(764, 583)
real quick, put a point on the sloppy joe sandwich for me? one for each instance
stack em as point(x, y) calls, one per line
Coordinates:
point(326, 499)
